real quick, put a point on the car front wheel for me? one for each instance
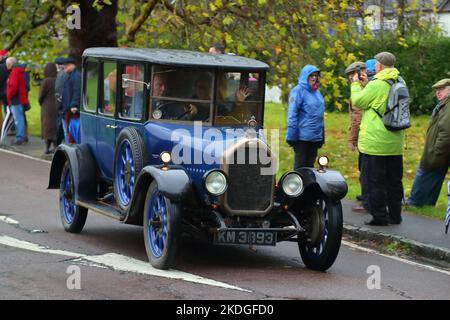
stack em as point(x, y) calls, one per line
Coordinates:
point(162, 220)
point(323, 222)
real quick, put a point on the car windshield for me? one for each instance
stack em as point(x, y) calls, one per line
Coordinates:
point(239, 98)
point(187, 94)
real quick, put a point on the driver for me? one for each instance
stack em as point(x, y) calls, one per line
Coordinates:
point(166, 109)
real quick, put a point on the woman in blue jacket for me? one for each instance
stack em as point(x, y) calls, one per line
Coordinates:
point(306, 132)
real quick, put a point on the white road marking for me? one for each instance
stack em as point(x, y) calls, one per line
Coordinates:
point(24, 155)
point(412, 263)
point(123, 263)
point(25, 245)
point(8, 220)
point(118, 262)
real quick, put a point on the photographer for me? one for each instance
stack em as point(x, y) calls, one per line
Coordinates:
point(355, 121)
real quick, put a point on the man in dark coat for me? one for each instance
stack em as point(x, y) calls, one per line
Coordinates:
point(71, 94)
point(435, 160)
point(4, 72)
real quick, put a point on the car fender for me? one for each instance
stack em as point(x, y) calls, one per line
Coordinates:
point(331, 182)
point(83, 168)
point(173, 182)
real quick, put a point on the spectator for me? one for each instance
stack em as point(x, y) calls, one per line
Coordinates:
point(355, 121)
point(382, 149)
point(306, 132)
point(370, 68)
point(71, 96)
point(435, 160)
point(61, 77)
point(4, 73)
point(16, 94)
point(217, 48)
point(49, 113)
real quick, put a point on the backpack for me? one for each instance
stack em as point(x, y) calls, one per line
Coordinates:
point(397, 115)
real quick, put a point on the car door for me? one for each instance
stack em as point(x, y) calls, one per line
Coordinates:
point(106, 122)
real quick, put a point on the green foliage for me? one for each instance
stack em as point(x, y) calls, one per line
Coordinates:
point(422, 61)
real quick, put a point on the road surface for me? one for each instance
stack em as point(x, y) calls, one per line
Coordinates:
point(39, 260)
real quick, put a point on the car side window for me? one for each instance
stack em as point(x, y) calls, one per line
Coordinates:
point(108, 105)
point(90, 89)
point(133, 92)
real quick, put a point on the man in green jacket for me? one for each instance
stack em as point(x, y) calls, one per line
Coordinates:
point(382, 150)
point(435, 160)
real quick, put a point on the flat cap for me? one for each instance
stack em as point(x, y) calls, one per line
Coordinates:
point(441, 83)
point(355, 66)
point(385, 58)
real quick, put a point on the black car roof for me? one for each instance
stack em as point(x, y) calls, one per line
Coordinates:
point(178, 57)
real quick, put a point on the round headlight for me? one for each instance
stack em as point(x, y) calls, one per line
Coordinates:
point(216, 183)
point(165, 157)
point(323, 161)
point(292, 184)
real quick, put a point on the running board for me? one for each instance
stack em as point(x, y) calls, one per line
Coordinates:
point(102, 208)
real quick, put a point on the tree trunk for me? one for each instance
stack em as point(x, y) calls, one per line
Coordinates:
point(98, 28)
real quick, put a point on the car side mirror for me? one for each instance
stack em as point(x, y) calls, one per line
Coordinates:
point(125, 80)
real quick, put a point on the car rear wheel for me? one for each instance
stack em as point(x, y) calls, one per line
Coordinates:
point(73, 217)
point(129, 160)
point(323, 222)
point(162, 221)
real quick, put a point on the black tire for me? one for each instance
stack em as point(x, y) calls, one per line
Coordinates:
point(161, 256)
point(322, 257)
point(124, 182)
point(73, 217)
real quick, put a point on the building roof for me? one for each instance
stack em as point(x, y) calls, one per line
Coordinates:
point(178, 57)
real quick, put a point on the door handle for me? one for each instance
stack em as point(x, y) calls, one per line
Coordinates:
point(109, 126)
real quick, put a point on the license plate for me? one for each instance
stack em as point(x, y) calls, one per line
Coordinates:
point(263, 238)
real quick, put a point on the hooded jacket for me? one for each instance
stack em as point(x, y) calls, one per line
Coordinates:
point(16, 91)
point(306, 110)
point(436, 153)
point(374, 138)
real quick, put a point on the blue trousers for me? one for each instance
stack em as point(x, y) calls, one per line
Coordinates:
point(19, 121)
point(427, 186)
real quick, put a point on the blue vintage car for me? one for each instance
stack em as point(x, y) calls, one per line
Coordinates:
point(172, 140)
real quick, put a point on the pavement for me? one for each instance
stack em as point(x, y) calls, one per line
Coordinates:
point(418, 236)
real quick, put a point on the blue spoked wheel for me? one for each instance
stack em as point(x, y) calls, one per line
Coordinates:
point(73, 217)
point(161, 228)
point(128, 163)
point(125, 171)
point(323, 222)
